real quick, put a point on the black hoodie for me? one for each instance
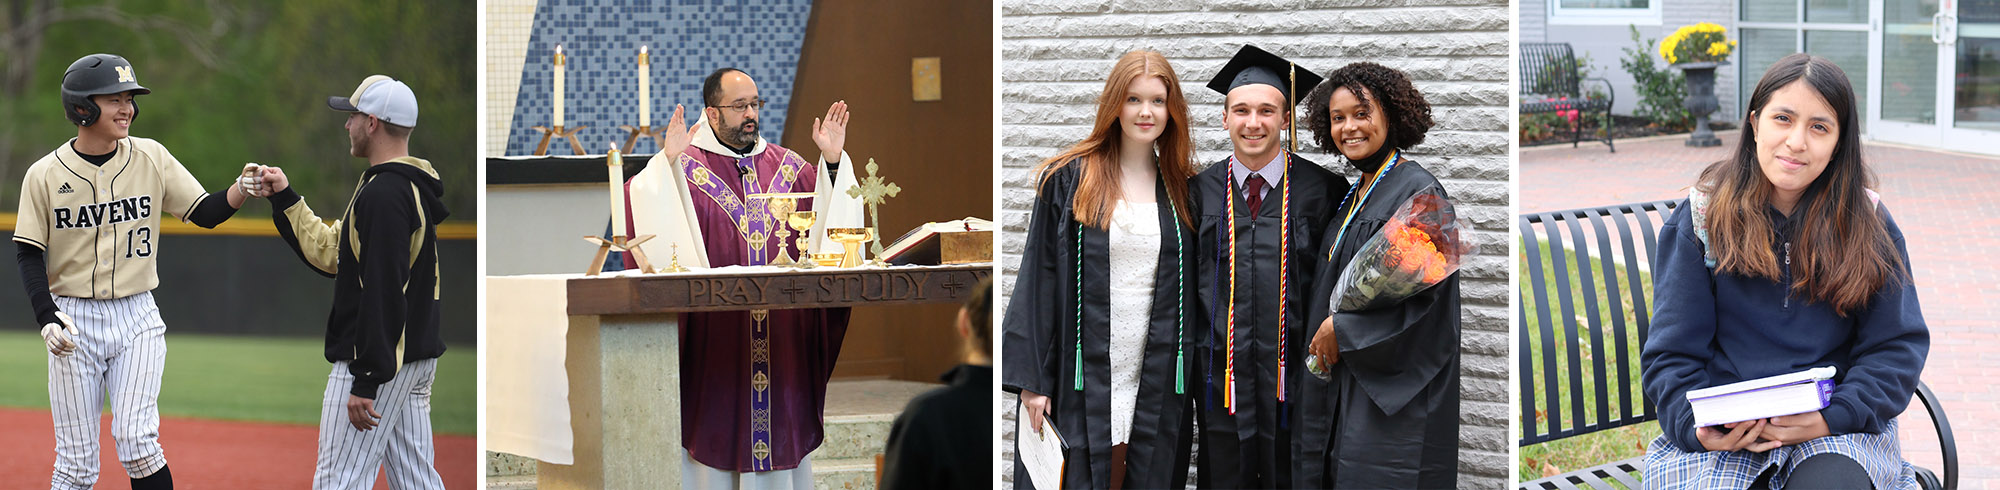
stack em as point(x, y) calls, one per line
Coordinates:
point(382, 254)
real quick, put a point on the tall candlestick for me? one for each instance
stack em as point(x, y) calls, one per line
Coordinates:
point(645, 90)
point(559, 86)
point(616, 164)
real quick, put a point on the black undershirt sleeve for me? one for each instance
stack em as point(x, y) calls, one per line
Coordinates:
point(212, 211)
point(35, 277)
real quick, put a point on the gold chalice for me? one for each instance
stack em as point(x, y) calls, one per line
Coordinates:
point(850, 239)
point(782, 205)
point(803, 222)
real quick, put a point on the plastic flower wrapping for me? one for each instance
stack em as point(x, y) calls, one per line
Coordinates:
point(1416, 249)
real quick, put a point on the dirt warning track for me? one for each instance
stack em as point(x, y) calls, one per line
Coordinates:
point(205, 454)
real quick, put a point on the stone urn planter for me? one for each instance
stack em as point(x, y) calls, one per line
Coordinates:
point(1701, 99)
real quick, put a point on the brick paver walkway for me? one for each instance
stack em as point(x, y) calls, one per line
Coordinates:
point(1948, 206)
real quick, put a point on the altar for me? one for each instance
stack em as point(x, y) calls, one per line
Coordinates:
point(582, 372)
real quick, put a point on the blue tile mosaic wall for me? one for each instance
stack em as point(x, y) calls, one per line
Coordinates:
point(688, 39)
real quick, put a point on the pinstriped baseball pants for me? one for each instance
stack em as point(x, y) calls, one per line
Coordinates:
point(121, 351)
point(349, 458)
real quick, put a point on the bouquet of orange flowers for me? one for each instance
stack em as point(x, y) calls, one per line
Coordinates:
point(1415, 250)
point(1418, 248)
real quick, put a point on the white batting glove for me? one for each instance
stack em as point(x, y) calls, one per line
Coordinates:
point(252, 180)
point(60, 337)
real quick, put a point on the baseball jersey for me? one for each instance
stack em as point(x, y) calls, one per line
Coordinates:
point(100, 225)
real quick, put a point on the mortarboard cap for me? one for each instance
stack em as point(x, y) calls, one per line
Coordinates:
point(1252, 65)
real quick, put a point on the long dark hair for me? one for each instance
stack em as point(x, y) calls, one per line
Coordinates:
point(1842, 251)
point(1097, 155)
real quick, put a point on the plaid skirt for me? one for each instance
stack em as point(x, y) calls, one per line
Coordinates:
point(1668, 467)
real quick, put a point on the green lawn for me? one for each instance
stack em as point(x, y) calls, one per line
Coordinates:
point(243, 378)
point(1599, 447)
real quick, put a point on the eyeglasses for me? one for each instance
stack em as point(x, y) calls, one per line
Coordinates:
point(745, 107)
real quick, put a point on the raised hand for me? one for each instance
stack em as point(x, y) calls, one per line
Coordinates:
point(677, 136)
point(830, 132)
point(60, 336)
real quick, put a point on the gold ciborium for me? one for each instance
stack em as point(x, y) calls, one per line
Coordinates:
point(781, 205)
point(803, 222)
point(850, 239)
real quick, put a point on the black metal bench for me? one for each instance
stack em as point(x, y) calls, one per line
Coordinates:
point(1551, 82)
point(1614, 305)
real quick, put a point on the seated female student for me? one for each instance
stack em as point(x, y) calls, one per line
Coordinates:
point(1782, 260)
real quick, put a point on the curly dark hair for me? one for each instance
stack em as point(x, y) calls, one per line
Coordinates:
point(1404, 108)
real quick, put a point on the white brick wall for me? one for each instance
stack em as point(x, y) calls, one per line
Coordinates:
point(1054, 55)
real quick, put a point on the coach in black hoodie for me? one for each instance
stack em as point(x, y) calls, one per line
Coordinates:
point(383, 333)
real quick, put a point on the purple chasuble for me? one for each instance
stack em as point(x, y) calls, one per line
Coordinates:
point(752, 392)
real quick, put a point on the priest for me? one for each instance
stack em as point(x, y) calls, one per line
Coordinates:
point(753, 384)
point(1261, 212)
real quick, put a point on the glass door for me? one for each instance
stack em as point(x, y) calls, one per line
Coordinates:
point(1973, 42)
point(1939, 74)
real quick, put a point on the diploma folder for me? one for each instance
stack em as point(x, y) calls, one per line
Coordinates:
point(1040, 453)
point(1775, 396)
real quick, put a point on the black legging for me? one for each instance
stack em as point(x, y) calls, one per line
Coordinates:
point(1823, 471)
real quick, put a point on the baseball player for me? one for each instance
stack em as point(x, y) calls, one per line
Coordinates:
point(382, 336)
point(87, 235)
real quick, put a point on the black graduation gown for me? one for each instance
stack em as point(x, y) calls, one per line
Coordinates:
point(935, 444)
point(1389, 417)
point(1251, 448)
point(1039, 349)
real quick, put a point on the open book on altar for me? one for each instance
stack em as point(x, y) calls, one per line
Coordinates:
point(960, 241)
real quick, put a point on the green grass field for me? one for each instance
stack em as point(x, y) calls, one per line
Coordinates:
point(243, 378)
point(1600, 447)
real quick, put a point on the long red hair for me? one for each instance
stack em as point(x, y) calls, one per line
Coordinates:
point(1097, 155)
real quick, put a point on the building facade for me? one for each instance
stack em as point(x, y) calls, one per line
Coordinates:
point(1925, 73)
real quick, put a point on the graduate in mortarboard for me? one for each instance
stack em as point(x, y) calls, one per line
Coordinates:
point(1388, 417)
point(1101, 327)
point(1260, 214)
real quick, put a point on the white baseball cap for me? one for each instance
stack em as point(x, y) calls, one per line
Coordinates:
point(383, 97)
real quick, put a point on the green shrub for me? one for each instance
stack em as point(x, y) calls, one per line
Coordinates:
point(1662, 90)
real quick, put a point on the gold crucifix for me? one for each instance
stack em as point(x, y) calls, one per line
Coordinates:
point(872, 191)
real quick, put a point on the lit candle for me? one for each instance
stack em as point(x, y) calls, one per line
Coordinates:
point(616, 164)
point(645, 90)
point(559, 85)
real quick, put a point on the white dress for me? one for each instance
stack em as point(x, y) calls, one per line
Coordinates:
point(1135, 254)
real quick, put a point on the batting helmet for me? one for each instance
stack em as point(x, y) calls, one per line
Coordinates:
point(97, 74)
